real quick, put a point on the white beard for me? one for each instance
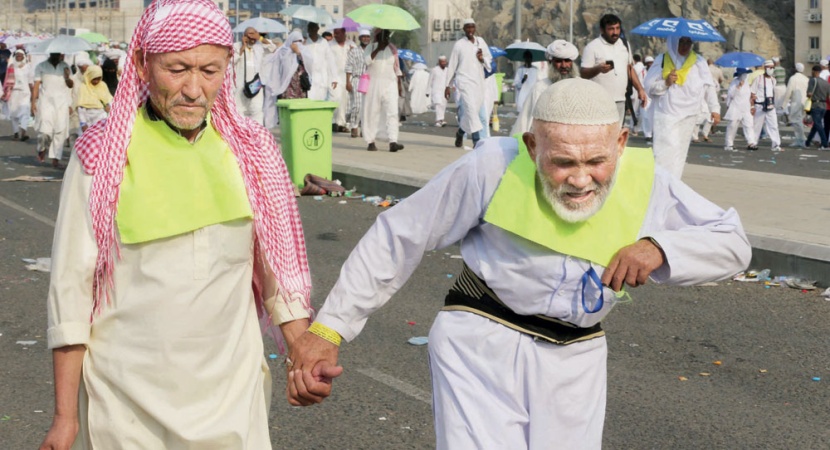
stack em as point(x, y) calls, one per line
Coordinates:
point(576, 212)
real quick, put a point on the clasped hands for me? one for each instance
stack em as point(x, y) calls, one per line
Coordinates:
point(311, 366)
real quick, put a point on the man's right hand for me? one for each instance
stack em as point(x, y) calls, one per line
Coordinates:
point(672, 78)
point(61, 434)
point(313, 367)
point(33, 109)
point(447, 93)
point(605, 68)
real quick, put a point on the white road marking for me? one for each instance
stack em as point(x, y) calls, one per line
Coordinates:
point(399, 385)
point(26, 211)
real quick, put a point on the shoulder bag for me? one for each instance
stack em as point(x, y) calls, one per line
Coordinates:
point(251, 88)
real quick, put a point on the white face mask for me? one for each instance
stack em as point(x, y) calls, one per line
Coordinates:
point(770, 70)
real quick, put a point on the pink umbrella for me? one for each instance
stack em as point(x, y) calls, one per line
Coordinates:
point(347, 23)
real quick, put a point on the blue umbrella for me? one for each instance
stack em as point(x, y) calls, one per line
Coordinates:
point(496, 52)
point(697, 30)
point(409, 55)
point(740, 59)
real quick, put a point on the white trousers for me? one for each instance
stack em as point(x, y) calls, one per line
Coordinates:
point(797, 121)
point(732, 129)
point(380, 111)
point(250, 107)
point(52, 143)
point(440, 110)
point(647, 119)
point(341, 96)
point(770, 119)
point(671, 141)
point(496, 388)
point(270, 114)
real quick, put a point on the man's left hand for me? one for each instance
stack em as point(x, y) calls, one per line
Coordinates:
point(715, 119)
point(632, 265)
point(641, 93)
point(334, 85)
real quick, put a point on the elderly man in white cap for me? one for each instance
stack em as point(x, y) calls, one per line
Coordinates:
point(763, 106)
point(468, 60)
point(793, 103)
point(355, 68)
point(552, 226)
point(437, 82)
point(561, 56)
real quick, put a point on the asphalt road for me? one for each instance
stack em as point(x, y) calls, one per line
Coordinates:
point(771, 344)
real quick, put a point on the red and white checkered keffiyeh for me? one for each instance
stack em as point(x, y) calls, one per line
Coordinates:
point(177, 25)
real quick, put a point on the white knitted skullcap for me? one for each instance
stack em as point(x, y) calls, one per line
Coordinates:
point(823, 62)
point(799, 67)
point(768, 63)
point(576, 101)
point(442, 58)
point(649, 59)
point(364, 32)
point(561, 49)
point(776, 59)
point(469, 21)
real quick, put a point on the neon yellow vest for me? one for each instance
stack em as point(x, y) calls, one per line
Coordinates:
point(683, 71)
point(520, 207)
point(172, 187)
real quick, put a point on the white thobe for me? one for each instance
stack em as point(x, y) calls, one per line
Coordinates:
point(418, 90)
point(467, 72)
point(323, 72)
point(525, 119)
point(793, 104)
point(175, 360)
point(764, 87)
point(478, 366)
point(524, 80)
point(437, 82)
point(380, 104)
point(20, 101)
point(738, 113)
point(339, 94)
point(247, 66)
point(53, 103)
point(676, 109)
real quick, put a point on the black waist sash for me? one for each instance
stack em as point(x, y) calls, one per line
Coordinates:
point(471, 294)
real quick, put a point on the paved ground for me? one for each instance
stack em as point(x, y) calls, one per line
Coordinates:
point(771, 343)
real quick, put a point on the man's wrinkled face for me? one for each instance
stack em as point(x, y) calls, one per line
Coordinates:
point(576, 165)
point(183, 85)
point(364, 40)
point(563, 66)
point(611, 33)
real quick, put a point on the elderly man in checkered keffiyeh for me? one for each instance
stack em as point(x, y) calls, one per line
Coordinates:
point(177, 229)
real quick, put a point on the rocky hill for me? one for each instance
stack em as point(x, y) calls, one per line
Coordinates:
point(764, 27)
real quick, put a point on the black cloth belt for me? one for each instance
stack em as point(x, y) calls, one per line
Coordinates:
point(470, 294)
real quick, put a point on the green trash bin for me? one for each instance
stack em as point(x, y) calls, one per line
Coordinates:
point(305, 137)
point(499, 80)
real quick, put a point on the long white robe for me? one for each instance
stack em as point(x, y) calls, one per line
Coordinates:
point(419, 89)
point(676, 109)
point(176, 359)
point(323, 72)
point(53, 103)
point(20, 101)
point(467, 72)
point(479, 367)
point(380, 104)
point(437, 82)
point(247, 65)
point(523, 81)
point(340, 94)
point(738, 112)
point(764, 86)
point(793, 104)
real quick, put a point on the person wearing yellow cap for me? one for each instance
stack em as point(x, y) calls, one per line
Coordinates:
point(554, 228)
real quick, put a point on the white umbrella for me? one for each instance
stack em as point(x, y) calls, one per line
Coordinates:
point(262, 25)
point(309, 14)
point(63, 44)
point(23, 40)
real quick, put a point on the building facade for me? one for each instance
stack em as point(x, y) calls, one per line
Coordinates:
point(812, 33)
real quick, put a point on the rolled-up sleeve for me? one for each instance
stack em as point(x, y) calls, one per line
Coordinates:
point(74, 251)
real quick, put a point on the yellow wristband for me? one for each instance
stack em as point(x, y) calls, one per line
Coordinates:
point(325, 332)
